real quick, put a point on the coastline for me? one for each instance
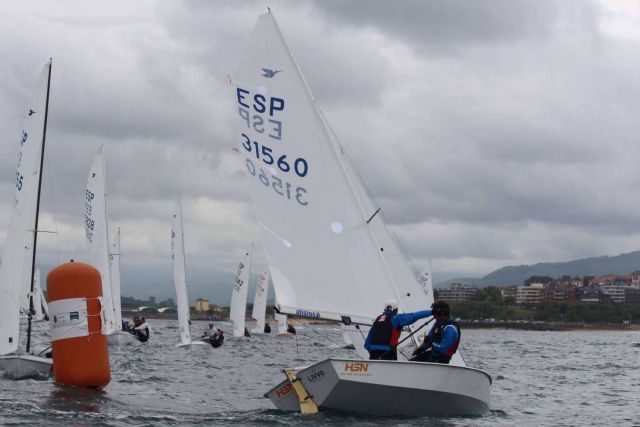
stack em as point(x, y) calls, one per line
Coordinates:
point(548, 326)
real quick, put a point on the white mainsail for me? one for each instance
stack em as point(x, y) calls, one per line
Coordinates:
point(179, 273)
point(15, 272)
point(260, 302)
point(96, 226)
point(239, 294)
point(328, 247)
point(114, 271)
point(282, 323)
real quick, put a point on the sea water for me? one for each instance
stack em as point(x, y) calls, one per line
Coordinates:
point(539, 378)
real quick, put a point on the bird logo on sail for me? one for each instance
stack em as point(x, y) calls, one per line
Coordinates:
point(270, 73)
point(31, 112)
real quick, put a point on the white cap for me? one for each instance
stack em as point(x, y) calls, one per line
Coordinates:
point(391, 303)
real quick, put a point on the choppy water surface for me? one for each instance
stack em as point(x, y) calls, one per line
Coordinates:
point(540, 378)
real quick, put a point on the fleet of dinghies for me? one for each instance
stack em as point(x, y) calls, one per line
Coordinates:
point(330, 252)
point(331, 255)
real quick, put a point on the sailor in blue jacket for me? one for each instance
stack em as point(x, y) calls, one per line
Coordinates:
point(442, 341)
point(384, 334)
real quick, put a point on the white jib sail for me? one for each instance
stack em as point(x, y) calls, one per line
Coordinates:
point(260, 302)
point(114, 266)
point(239, 294)
point(96, 226)
point(179, 273)
point(282, 323)
point(15, 272)
point(308, 199)
point(37, 297)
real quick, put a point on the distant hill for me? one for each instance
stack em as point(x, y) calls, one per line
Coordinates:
point(596, 266)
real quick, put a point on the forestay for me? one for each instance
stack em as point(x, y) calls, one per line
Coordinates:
point(96, 224)
point(179, 273)
point(327, 245)
point(239, 294)
point(260, 301)
point(15, 272)
point(114, 268)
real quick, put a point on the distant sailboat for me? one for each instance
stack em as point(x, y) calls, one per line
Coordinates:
point(105, 258)
point(180, 277)
point(260, 302)
point(239, 295)
point(18, 271)
point(330, 252)
point(40, 307)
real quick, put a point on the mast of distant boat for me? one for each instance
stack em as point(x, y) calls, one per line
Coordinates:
point(35, 228)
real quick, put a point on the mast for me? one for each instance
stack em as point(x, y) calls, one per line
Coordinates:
point(35, 228)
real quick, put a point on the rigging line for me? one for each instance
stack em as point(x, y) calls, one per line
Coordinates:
point(341, 346)
point(374, 214)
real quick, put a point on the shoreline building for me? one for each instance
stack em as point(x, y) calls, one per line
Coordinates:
point(456, 292)
point(202, 305)
point(530, 293)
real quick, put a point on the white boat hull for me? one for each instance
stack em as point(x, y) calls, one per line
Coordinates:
point(191, 344)
point(389, 388)
point(21, 366)
point(122, 338)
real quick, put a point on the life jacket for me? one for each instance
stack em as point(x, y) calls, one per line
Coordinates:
point(383, 332)
point(437, 337)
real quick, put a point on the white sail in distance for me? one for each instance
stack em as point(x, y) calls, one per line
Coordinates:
point(260, 302)
point(329, 250)
point(15, 271)
point(179, 273)
point(239, 294)
point(38, 298)
point(114, 275)
point(96, 227)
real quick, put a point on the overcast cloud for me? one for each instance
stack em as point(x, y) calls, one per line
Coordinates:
point(490, 132)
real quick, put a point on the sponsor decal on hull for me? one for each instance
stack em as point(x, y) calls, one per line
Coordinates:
point(355, 368)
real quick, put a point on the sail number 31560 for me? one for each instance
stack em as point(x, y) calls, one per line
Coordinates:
point(284, 189)
point(300, 165)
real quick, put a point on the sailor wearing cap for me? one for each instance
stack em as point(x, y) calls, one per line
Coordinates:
point(385, 331)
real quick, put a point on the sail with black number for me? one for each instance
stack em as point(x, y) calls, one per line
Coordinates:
point(17, 257)
point(179, 273)
point(260, 302)
point(96, 227)
point(239, 294)
point(114, 274)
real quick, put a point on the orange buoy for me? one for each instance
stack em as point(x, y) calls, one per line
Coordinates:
point(80, 349)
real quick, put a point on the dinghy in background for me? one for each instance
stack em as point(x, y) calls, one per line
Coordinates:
point(178, 261)
point(330, 251)
point(17, 272)
point(260, 303)
point(238, 310)
point(105, 257)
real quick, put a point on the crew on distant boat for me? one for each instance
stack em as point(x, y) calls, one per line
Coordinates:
point(384, 334)
point(217, 340)
point(211, 332)
point(267, 328)
point(140, 329)
point(442, 341)
point(246, 333)
point(290, 328)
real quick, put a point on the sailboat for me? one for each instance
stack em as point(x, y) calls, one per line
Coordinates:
point(329, 249)
point(40, 307)
point(180, 278)
point(105, 258)
point(238, 309)
point(260, 302)
point(18, 270)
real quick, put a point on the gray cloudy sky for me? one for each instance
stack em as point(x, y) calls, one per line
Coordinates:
point(490, 132)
